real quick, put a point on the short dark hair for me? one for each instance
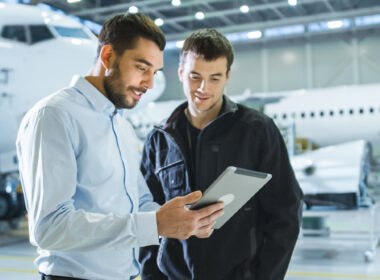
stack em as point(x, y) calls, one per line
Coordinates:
point(123, 30)
point(208, 43)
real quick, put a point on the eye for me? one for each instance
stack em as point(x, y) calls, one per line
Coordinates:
point(194, 77)
point(141, 68)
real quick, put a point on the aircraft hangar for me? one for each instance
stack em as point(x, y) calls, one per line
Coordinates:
point(311, 66)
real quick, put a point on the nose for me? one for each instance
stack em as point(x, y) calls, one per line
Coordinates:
point(148, 80)
point(203, 86)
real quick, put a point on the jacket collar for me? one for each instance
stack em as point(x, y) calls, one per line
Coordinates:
point(228, 107)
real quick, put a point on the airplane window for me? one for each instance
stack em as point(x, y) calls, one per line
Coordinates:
point(371, 110)
point(275, 116)
point(71, 32)
point(40, 33)
point(321, 113)
point(361, 110)
point(341, 111)
point(284, 116)
point(331, 113)
point(312, 114)
point(14, 33)
point(303, 115)
point(351, 111)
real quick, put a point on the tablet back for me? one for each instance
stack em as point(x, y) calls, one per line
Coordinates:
point(235, 186)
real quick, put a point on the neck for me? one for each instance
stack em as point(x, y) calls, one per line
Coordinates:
point(200, 119)
point(95, 77)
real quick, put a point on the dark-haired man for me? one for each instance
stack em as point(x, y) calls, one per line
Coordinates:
point(89, 206)
point(199, 140)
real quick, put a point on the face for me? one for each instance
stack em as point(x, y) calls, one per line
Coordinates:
point(132, 73)
point(203, 82)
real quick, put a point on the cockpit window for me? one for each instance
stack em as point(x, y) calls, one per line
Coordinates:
point(14, 33)
point(71, 32)
point(40, 33)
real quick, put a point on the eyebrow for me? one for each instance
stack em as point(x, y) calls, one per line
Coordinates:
point(216, 74)
point(141, 60)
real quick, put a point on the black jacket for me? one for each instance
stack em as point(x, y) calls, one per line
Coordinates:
point(258, 241)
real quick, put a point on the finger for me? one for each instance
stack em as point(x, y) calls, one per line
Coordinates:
point(190, 198)
point(211, 219)
point(206, 231)
point(207, 211)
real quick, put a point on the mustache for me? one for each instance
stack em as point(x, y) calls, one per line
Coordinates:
point(143, 90)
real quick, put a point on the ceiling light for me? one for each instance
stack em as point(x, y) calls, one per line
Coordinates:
point(244, 9)
point(179, 44)
point(133, 9)
point(159, 22)
point(335, 24)
point(47, 20)
point(292, 2)
point(73, 1)
point(200, 15)
point(176, 2)
point(254, 34)
point(44, 14)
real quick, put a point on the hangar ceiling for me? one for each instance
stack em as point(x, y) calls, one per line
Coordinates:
point(228, 16)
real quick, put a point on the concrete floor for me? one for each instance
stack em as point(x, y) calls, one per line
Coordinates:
point(339, 256)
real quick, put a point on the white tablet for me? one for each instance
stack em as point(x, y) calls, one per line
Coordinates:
point(235, 186)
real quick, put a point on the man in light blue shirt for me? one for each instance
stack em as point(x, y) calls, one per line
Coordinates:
point(89, 206)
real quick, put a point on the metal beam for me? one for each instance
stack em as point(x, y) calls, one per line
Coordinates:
point(143, 5)
point(286, 22)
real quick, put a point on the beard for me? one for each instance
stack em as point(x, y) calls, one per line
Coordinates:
point(113, 87)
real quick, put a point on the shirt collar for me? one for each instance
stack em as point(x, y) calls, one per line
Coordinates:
point(93, 95)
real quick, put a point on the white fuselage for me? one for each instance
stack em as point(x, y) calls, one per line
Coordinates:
point(332, 115)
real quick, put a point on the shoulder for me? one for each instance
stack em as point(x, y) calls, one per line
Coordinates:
point(252, 118)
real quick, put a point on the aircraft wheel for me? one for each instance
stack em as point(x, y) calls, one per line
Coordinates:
point(368, 256)
point(4, 206)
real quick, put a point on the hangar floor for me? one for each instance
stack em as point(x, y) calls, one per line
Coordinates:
point(317, 257)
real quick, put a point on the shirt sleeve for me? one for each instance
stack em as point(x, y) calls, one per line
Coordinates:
point(48, 172)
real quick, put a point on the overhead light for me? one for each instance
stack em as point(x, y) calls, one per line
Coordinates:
point(179, 44)
point(47, 20)
point(73, 1)
point(176, 2)
point(57, 16)
point(44, 14)
point(254, 34)
point(2, 5)
point(244, 9)
point(292, 2)
point(133, 9)
point(159, 22)
point(200, 15)
point(335, 24)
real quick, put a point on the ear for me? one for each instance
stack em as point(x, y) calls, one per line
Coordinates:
point(180, 73)
point(228, 74)
point(107, 56)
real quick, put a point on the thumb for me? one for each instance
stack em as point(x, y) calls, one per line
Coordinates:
point(191, 197)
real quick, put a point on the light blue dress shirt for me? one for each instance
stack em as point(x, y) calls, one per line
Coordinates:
point(89, 206)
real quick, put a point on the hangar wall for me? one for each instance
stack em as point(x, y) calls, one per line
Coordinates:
point(316, 62)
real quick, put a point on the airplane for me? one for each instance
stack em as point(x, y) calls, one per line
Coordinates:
point(40, 51)
point(341, 121)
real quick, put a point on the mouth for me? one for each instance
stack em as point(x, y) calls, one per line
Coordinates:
point(137, 93)
point(201, 98)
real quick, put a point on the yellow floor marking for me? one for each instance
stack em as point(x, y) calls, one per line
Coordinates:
point(16, 258)
point(18, 270)
point(332, 275)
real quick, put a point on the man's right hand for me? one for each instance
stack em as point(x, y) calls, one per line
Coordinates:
point(175, 220)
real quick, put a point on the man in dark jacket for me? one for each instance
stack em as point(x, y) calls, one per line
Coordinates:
point(198, 141)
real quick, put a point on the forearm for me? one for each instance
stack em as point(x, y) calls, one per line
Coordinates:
point(76, 230)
